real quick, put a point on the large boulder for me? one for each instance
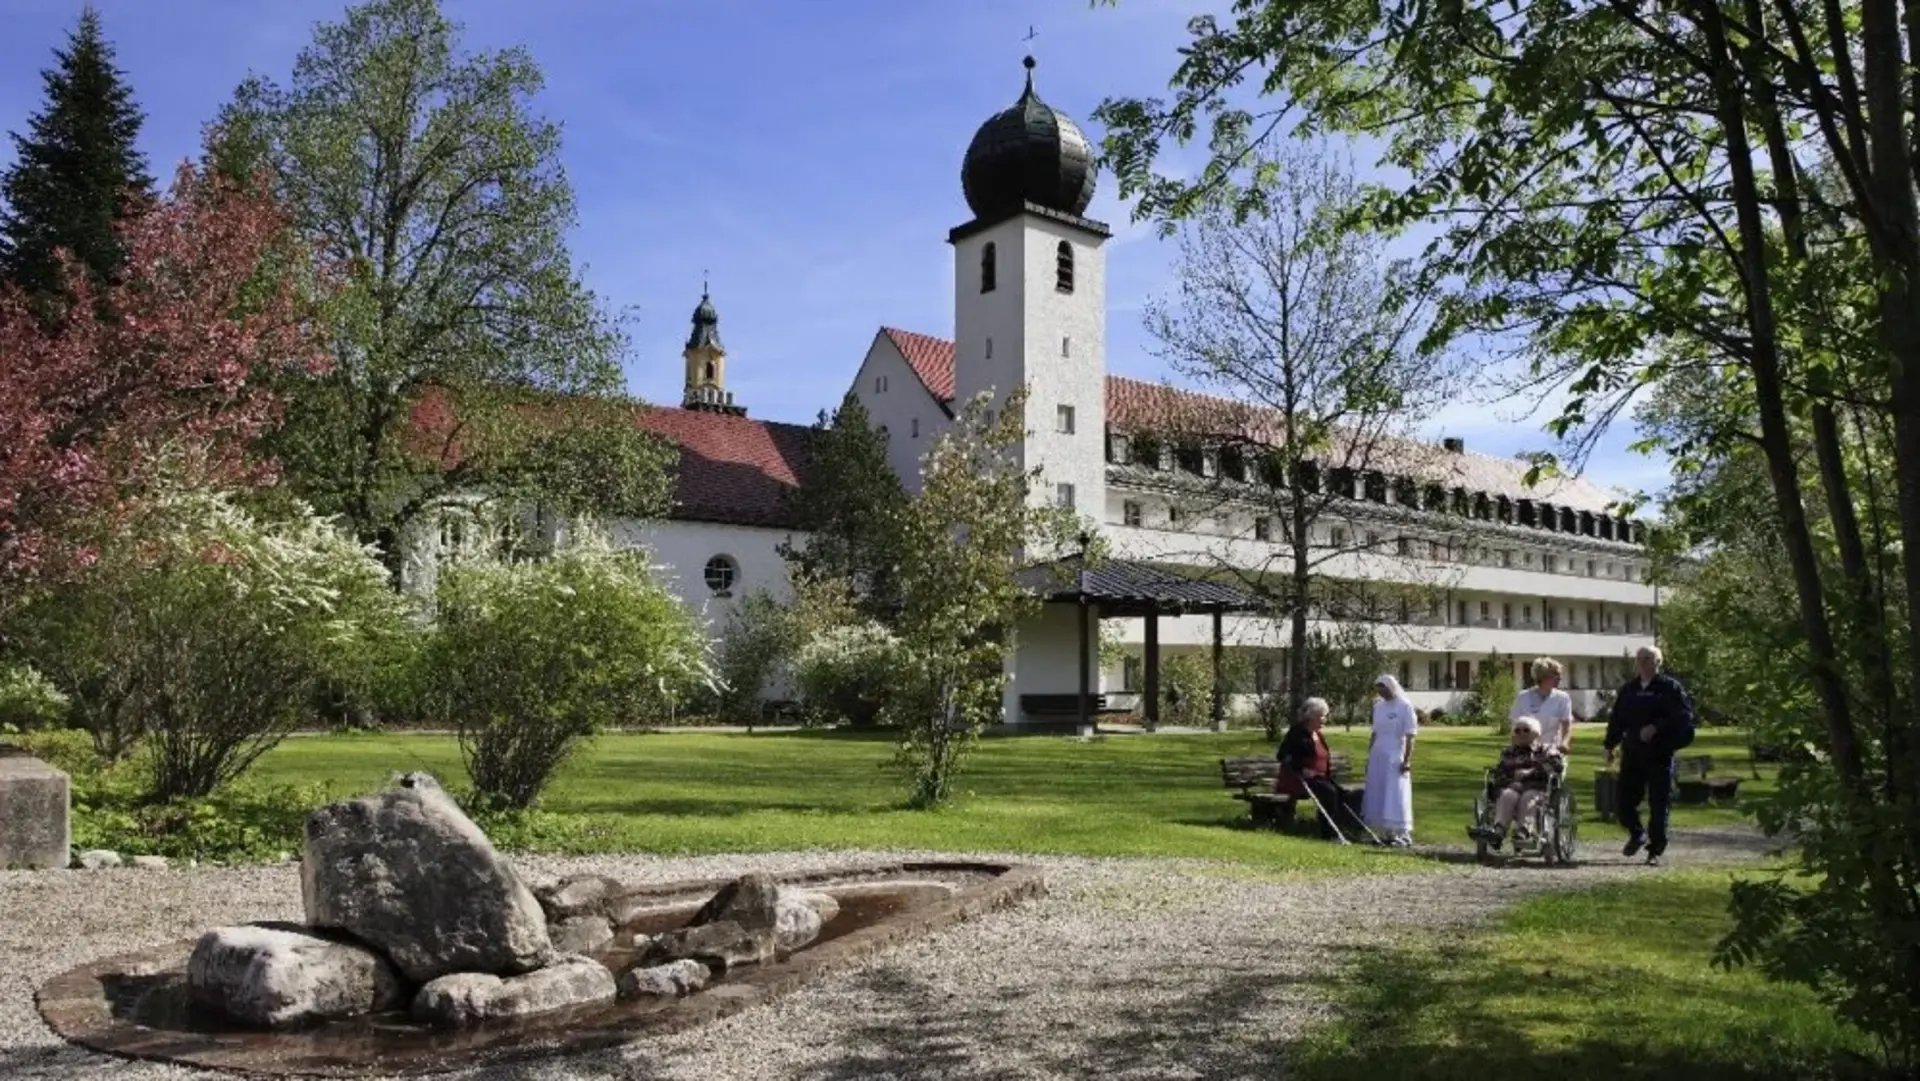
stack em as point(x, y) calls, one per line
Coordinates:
point(404, 870)
point(464, 998)
point(795, 924)
point(581, 934)
point(752, 901)
point(579, 895)
point(273, 977)
point(671, 980)
point(823, 903)
point(718, 946)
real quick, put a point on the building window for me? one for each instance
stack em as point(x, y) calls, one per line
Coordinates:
point(1590, 570)
point(1593, 622)
point(1403, 546)
point(1435, 552)
point(1173, 516)
point(1063, 419)
point(1263, 528)
point(710, 370)
point(1631, 571)
point(1373, 539)
point(1129, 673)
point(1461, 611)
point(1506, 615)
point(721, 572)
point(916, 427)
point(1528, 557)
point(1434, 677)
point(1609, 570)
point(1506, 557)
point(1066, 346)
point(1406, 674)
point(1339, 537)
point(1549, 563)
point(1063, 267)
point(987, 281)
point(1546, 612)
point(1486, 611)
point(1063, 495)
point(1130, 513)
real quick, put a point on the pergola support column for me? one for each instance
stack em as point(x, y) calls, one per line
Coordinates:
point(1153, 671)
point(1218, 706)
point(1085, 708)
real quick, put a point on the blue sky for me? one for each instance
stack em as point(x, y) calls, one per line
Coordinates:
point(806, 156)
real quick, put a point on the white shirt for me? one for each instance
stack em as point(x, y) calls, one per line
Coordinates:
point(1554, 710)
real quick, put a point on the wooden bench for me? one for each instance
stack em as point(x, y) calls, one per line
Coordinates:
point(1694, 782)
point(1256, 777)
point(1067, 706)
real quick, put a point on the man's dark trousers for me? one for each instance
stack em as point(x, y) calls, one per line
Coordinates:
point(1650, 779)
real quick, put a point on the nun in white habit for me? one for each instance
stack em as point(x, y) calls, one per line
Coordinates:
point(1388, 801)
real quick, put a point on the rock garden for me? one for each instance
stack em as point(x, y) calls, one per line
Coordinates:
point(423, 948)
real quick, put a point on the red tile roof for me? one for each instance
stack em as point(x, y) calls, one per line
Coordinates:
point(732, 470)
point(1135, 403)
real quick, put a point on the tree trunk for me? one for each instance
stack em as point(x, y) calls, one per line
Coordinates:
point(1300, 580)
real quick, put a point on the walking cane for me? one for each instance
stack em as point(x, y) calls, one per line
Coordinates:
point(1362, 823)
point(1331, 821)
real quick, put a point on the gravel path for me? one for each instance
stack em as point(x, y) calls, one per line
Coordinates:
point(1127, 969)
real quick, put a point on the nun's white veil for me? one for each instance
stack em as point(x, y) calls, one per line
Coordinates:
point(1393, 687)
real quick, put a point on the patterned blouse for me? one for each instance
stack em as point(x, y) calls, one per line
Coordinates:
point(1525, 766)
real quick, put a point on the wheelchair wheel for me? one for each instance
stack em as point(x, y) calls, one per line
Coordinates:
point(1566, 828)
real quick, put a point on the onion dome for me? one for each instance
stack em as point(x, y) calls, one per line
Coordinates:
point(1030, 153)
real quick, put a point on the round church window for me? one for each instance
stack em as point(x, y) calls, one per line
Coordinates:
point(721, 571)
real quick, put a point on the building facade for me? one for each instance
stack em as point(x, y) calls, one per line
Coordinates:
point(1482, 563)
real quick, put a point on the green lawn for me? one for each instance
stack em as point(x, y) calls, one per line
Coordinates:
point(692, 792)
point(1610, 984)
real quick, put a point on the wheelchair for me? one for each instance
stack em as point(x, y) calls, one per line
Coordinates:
point(1551, 832)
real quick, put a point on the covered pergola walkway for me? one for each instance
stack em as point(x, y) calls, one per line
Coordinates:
point(1126, 589)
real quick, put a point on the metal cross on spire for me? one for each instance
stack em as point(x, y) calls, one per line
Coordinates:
point(1031, 34)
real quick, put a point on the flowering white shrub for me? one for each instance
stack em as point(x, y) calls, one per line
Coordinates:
point(531, 658)
point(842, 673)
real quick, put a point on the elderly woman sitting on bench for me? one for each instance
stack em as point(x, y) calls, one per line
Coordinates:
point(1306, 764)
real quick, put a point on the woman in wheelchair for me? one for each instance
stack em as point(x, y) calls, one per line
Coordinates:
point(1520, 781)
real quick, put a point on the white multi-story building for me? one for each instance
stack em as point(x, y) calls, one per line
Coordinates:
point(1499, 567)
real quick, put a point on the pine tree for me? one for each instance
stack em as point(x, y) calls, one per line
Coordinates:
point(75, 170)
point(849, 506)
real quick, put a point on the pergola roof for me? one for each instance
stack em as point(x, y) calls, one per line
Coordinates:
point(1126, 587)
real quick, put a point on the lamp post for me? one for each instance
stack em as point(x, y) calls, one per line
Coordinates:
point(1346, 665)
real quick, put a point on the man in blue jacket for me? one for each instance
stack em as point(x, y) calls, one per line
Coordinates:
point(1652, 720)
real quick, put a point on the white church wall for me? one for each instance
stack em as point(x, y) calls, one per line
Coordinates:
point(897, 401)
point(683, 550)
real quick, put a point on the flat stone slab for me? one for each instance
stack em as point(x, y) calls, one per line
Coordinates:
point(36, 823)
point(136, 1005)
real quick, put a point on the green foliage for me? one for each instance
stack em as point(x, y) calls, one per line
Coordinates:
point(1494, 689)
point(419, 168)
point(963, 541)
point(75, 171)
point(843, 674)
point(1186, 682)
point(850, 507)
point(531, 658)
point(208, 632)
point(1342, 668)
point(247, 821)
point(28, 700)
point(757, 646)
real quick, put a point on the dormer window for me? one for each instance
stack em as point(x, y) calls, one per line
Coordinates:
point(987, 276)
point(1063, 267)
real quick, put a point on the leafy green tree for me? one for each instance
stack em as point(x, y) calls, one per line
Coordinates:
point(469, 355)
point(963, 539)
point(1494, 689)
point(756, 647)
point(1342, 667)
point(1718, 187)
point(850, 507)
point(76, 171)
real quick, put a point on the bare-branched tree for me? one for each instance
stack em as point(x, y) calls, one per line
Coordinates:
point(1309, 334)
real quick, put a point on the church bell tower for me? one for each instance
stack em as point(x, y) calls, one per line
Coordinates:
point(706, 389)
